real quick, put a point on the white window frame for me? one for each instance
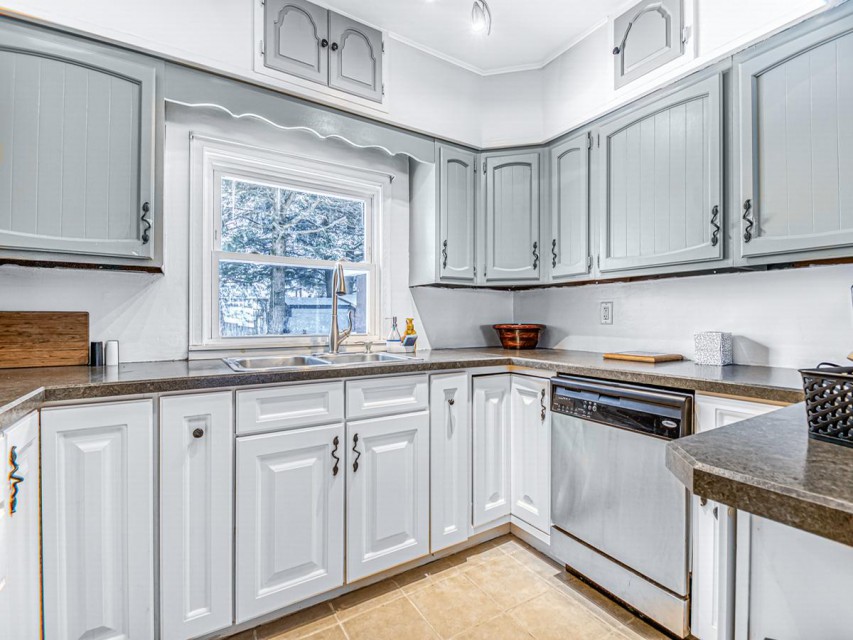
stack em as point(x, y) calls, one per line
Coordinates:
point(211, 159)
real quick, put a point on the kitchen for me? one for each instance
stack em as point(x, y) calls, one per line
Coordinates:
point(252, 255)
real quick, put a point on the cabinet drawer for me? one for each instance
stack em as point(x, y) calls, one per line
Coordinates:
point(386, 396)
point(290, 407)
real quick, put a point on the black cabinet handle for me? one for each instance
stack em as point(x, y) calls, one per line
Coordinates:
point(14, 480)
point(747, 217)
point(146, 209)
point(444, 255)
point(324, 43)
point(554, 253)
point(616, 51)
point(198, 433)
point(451, 401)
point(335, 442)
point(715, 235)
point(535, 255)
point(334, 46)
point(542, 404)
point(357, 453)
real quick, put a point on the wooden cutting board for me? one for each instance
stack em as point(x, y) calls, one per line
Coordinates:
point(43, 338)
point(644, 356)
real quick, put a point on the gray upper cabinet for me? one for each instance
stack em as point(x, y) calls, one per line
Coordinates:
point(308, 41)
point(513, 251)
point(568, 252)
point(796, 133)
point(356, 58)
point(77, 147)
point(660, 186)
point(646, 37)
point(457, 215)
point(296, 36)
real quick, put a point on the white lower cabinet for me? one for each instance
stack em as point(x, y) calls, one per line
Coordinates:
point(98, 521)
point(450, 460)
point(387, 492)
point(290, 518)
point(713, 587)
point(196, 514)
point(530, 444)
point(491, 448)
point(20, 573)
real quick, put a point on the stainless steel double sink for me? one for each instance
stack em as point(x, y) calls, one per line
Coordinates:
point(286, 363)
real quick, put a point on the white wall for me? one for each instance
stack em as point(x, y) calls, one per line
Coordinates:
point(789, 318)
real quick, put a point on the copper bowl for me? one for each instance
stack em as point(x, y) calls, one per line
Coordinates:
point(519, 336)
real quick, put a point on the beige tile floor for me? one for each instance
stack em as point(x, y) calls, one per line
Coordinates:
point(499, 590)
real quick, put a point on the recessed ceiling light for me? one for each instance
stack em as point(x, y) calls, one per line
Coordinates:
point(481, 17)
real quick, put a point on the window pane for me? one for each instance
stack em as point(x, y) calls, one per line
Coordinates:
point(266, 300)
point(273, 221)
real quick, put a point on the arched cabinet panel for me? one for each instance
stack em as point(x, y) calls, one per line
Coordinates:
point(297, 38)
point(355, 64)
point(646, 37)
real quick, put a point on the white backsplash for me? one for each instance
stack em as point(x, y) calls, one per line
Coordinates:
point(785, 318)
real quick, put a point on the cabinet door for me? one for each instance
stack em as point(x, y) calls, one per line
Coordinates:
point(77, 128)
point(646, 37)
point(450, 466)
point(23, 583)
point(196, 514)
point(296, 39)
point(796, 137)
point(387, 493)
point(712, 610)
point(530, 444)
point(457, 176)
point(569, 248)
point(355, 61)
point(512, 217)
point(290, 518)
point(491, 448)
point(98, 521)
point(660, 189)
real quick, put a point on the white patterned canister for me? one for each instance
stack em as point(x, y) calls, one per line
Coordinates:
point(713, 347)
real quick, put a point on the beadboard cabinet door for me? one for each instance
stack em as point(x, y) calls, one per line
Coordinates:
point(450, 460)
point(20, 582)
point(530, 444)
point(98, 521)
point(512, 211)
point(196, 514)
point(713, 532)
point(796, 138)
point(296, 38)
point(290, 518)
point(491, 448)
point(646, 37)
point(660, 187)
point(568, 253)
point(457, 214)
point(355, 59)
point(77, 130)
point(387, 493)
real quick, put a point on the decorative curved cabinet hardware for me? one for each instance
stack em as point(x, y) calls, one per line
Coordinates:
point(14, 480)
point(356, 451)
point(715, 234)
point(554, 253)
point(444, 254)
point(542, 405)
point(535, 255)
point(451, 401)
point(335, 443)
point(198, 432)
point(748, 218)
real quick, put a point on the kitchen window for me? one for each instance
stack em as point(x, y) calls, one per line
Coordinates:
point(274, 227)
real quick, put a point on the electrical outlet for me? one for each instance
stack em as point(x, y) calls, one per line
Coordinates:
point(606, 313)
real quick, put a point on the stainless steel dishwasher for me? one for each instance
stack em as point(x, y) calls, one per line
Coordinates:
point(620, 518)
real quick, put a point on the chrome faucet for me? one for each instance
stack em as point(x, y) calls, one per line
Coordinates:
point(339, 288)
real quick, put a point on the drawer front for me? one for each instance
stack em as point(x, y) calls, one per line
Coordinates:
point(290, 407)
point(386, 396)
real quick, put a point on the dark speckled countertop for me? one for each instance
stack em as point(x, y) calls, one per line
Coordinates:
point(768, 466)
point(22, 390)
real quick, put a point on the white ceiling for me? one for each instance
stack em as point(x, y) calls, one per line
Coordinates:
point(525, 33)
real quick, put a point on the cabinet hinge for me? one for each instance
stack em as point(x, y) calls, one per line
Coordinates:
point(598, 140)
point(589, 262)
point(484, 168)
point(589, 141)
point(598, 261)
point(475, 271)
point(261, 45)
point(383, 89)
point(383, 46)
point(685, 35)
